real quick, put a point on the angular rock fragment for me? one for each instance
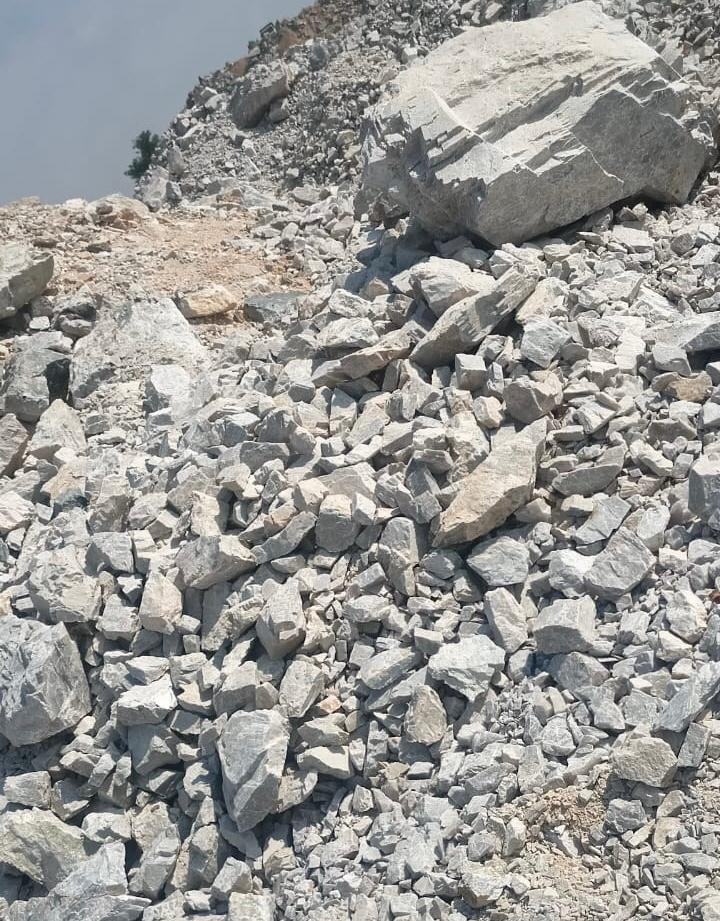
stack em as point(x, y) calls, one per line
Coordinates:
point(281, 624)
point(43, 688)
point(692, 697)
point(467, 666)
point(566, 626)
point(643, 759)
point(255, 92)
point(507, 619)
point(130, 339)
point(488, 122)
point(37, 843)
point(208, 560)
point(252, 752)
point(495, 489)
point(620, 567)
point(24, 275)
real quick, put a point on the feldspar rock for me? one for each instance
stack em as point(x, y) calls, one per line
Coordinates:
point(704, 490)
point(209, 560)
point(537, 111)
point(500, 561)
point(24, 275)
point(146, 704)
point(43, 688)
point(252, 752)
point(95, 891)
point(620, 567)
point(495, 489)
point(425, 720)
point(566, 626)
point(207, 302)
point(643, 759)
point(13, 441)
point(37, 843)
point(281, 624)
point(692, 697)
point(506, 618)
point(255, 92)
point(463, 326)
point(467, 666)
point(128, 340)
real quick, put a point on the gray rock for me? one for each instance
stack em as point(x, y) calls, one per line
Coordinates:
point(281, 624)
point(300, 687)
point(128, 341)
point(426, 719)
point(336, 530)
point(43, 688)
point(24, 274)
point(61, 589)
point(643, 759)
point(35, 842)
point(255, 92)
point(704, 490)
point(693, 696)
point(625, 815)
point(500, 561)
point(161, 604)
point(466, 324)
point(208, 560)
point(252, 751)
point(623, 563)
point(467, 666)
point(13, 441)
point(32, 379)
point(146, 704)
point(534, 111)
point(506, 618)
point(251, 907)
point(566, 626)
point(495, 489)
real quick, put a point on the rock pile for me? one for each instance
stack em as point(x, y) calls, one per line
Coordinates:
point(401, 600)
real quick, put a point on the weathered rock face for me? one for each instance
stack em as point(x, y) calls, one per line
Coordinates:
point(43, 688)
point(569, 112)
point(252, 753)
point(24, 274)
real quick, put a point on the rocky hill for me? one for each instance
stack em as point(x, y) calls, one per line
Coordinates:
point(360, 485)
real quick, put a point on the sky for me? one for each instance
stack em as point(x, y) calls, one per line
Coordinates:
point(79, 79)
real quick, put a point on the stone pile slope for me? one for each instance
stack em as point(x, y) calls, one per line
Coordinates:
point(398, 599)
point(341, 55)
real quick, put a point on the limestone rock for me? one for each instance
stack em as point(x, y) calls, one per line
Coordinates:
point(495, 489)
point(24, 274)
point(43, 688)
point(255, 92)
point(568, 111)
point(252, 752)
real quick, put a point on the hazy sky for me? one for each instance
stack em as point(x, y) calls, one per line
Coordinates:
point(79, 79)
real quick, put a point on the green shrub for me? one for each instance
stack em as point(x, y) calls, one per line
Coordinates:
point(146, 143)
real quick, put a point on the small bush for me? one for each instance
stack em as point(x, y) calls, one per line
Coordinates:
point(146, 143)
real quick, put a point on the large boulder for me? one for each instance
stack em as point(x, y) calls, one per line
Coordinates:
point(569, 112)
point(43, 688)
point(256, 91)
point(24, 274)
point(128, 340)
